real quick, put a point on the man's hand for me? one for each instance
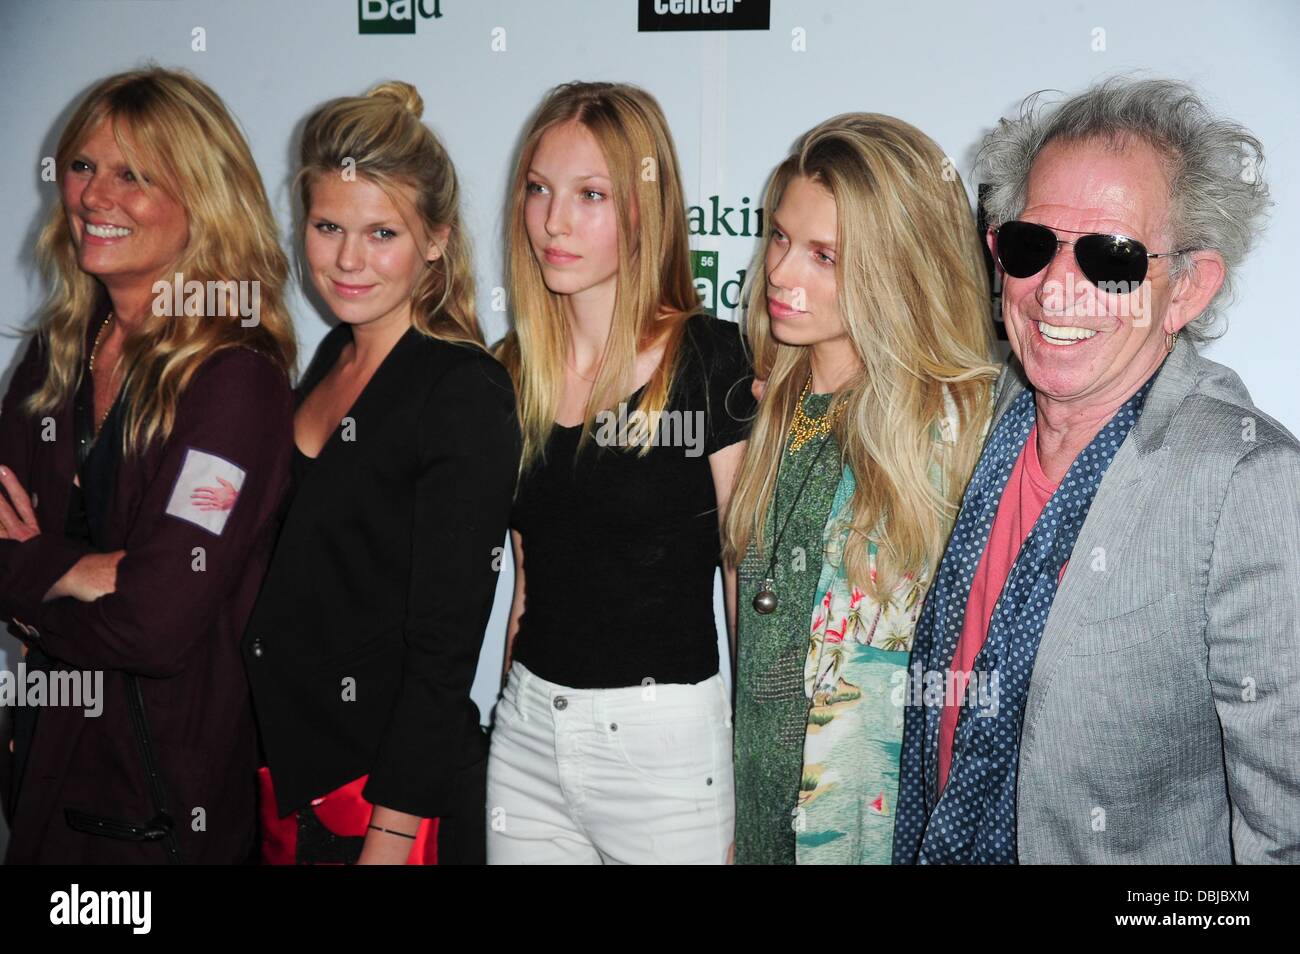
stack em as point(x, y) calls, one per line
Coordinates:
point(91, 577)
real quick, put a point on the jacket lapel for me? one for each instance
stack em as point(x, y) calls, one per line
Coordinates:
point(387, 388)
point(1110, 523)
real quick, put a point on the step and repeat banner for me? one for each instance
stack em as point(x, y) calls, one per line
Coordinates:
point(739, 80)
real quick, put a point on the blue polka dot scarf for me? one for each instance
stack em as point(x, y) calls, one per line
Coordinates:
point(974, 821)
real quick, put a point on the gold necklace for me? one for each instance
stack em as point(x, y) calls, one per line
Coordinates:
point(804, 428)
point(94, 350)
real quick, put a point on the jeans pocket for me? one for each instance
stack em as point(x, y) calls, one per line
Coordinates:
point(506, 711)
point(503, 713)
point(674, 747)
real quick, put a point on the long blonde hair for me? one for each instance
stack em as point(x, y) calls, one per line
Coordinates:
point(176, 131)
point(380, 138)
point(656, 292)
point(914, 296)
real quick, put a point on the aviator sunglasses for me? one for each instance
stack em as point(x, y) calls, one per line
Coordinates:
point(1114, 263)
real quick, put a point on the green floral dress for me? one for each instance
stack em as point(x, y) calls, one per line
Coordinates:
point(771, 707)
point(831, 801)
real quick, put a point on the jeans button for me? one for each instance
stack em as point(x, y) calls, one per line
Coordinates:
point(561, 702)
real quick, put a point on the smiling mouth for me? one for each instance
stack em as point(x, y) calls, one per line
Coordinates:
point(1062, 335)
point(106, 231)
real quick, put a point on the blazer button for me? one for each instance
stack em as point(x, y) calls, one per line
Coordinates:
point(257, 648)
point(561, 702)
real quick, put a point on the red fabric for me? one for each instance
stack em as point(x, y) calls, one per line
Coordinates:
point(343, 811)
point(1023, 500)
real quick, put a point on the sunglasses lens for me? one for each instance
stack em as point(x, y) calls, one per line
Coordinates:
point(1113, 263)
point(1024, 248)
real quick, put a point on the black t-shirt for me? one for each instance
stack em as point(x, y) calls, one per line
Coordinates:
point(620, 551)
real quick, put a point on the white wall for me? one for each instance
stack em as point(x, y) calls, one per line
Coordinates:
point(735, 101)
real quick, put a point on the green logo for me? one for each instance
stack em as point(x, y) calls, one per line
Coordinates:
point(395, 16)
point(704, 266)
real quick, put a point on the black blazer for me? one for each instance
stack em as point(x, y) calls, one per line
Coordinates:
point(365, 638)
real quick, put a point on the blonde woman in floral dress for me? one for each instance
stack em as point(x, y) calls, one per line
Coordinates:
point(871, 330)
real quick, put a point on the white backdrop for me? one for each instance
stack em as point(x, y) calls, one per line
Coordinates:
point(735, 100)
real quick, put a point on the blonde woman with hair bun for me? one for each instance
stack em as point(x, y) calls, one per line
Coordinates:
point(405, 453)
point(143, 459)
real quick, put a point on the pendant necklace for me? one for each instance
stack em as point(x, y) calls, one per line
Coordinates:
point(765, 601)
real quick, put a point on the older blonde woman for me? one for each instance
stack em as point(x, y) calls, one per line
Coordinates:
point(144, 452)
point(1119, 606)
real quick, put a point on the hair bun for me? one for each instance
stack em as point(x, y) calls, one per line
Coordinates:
point(404, 94)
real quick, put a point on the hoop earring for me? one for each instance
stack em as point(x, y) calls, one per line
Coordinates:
point(1170, 340)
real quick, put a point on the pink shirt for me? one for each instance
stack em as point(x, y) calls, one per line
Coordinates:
point(1026, 494)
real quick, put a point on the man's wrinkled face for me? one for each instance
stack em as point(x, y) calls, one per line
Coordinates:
point(1078, 343)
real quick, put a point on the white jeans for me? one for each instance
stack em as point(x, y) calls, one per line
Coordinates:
point(640, 775)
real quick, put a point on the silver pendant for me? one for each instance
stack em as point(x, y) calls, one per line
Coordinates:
point(765, 601)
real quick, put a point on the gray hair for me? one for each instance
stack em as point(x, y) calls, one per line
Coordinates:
point(1218, 197)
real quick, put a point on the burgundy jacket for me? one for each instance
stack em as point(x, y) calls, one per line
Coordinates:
point(175, 619)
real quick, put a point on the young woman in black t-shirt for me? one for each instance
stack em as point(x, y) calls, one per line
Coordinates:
point(612, 742)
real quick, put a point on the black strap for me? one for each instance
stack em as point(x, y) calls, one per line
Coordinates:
point(160, 827)
point(89, 824)
point(161, 819)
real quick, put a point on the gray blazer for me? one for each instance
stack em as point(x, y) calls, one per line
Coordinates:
point(1163, 717)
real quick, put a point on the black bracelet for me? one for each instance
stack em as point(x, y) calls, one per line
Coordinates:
point(391, 832)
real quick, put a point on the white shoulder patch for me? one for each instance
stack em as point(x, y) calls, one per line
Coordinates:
point(206, 490)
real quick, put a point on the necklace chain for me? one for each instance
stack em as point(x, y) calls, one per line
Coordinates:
point(579, 373)
point(94, 350)
point(804, 428)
